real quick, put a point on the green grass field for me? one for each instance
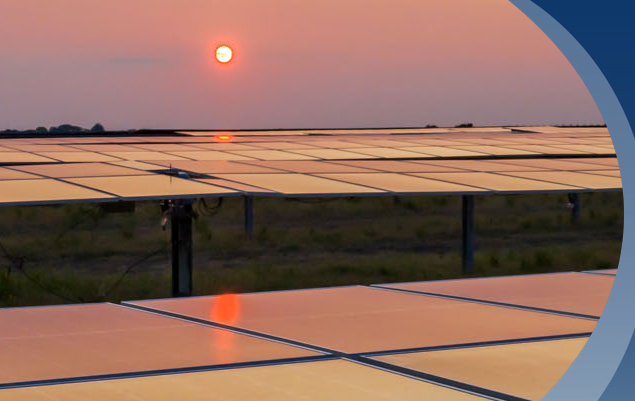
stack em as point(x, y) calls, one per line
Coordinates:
point(78, 253)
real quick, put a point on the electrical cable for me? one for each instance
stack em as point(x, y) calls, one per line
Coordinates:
point(207, 210)
point(130, 268)
point(18, 263)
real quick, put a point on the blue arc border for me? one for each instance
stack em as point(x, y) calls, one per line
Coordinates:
point(605, 368)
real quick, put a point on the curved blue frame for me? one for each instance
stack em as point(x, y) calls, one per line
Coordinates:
point(605, 368)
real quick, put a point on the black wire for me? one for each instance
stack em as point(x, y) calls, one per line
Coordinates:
point(129, 269)
point(18, 262)
point(206, 210)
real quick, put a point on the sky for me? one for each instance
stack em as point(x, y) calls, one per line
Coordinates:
point(298, 64)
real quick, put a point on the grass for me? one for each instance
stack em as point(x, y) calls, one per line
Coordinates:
point(79, 253)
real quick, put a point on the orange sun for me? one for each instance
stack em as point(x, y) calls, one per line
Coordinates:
point(224, 54)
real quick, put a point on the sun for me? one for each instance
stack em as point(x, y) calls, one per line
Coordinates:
point(224, 54)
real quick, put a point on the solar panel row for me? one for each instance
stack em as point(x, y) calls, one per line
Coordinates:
point(272, 147)
point(306, 163)
point(314, 344)
point(57, 183)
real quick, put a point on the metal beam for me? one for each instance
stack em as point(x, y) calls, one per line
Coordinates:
point(249, 216)
point(181, 222)
point(468, 234)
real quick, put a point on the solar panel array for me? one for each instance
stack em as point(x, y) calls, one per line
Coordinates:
point(306, 163)
point(439, 340)
point(508, 338)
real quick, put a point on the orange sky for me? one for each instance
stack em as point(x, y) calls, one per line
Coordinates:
point(327, 63)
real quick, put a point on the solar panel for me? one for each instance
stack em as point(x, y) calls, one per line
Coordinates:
point(224, 147)
point(39, 148)
point(603, 161)
point(236, 186)
point(389, 152)
point(215, 166)
point(572, 178)
point(150, 186)
point(63, 170)
point(528, 370)
point(272, 155)
point(78, 156)
point(333, 154)
point(566, 292)
point(400, 183)
point(498, 182)
point(23, 157)
point(211, 155)
point(546, 149)
point(587, 149)
point(310, 166)
point(444, 151)
point(396, 166)
point(143, 156)
point(84, 340)
point(256, 161)
point(149, 166)
point(299, 184)
point(310, 381)
point(9, 174)
point(474, 165)
point(495, 150)
point(609, 173)
point(45, 191)
point(332, 144)
point(291, 145)
point(557, 164)
point(103, 147)
point(358, 319)
point(166, 147)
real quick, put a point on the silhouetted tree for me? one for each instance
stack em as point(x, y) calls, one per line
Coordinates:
point(66, 129)
point(97, 128)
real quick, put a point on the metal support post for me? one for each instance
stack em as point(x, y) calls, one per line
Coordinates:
point(181, 222)
point(249, 216)
point(468, 234)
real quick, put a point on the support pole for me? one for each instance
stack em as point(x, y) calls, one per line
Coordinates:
point(181, 248)
point(468, 234)
point(249, 216)
point(574, 201)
